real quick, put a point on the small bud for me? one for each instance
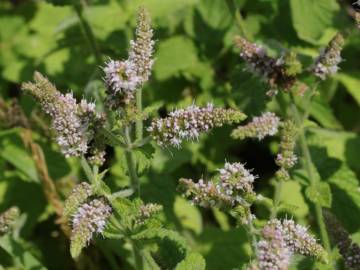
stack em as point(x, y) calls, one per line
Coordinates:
point(8, 219)
point(90, 218)
point(327, 62)
point(79, 195)
point(265, 125)
point(187, 124)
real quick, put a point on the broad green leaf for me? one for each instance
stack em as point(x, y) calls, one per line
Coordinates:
point(319, 193)
point(193, 261)
point(188, 215)
point(174, 55)
point(340, 145)
point(312, 18)
point(215, 13)
point(293, 197)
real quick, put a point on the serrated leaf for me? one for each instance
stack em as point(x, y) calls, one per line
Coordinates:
point(193, 261)
point(319, 193)
point(311, 18)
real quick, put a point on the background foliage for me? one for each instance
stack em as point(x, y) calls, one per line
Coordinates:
point(195, 62)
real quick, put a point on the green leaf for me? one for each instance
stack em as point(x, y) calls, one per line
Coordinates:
point(188, 215)
point(312, 18)
point(193, 261)
point(319, 193)
point(293, 197)
point(13, 151)
point(23, 259)
point(174, 55)
point(351, 83)
point(215, 13)
point(340, 145)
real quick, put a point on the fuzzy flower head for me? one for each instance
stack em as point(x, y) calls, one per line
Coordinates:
point(79, 195)
point(142, 47)
point(205, 194)
point(234, 178)
point(120, 76)
point(123, 78)
point(261, 126)
point(329, 59)
point(189, 123)
point(234, 189)
point(273, 71)
point(281, 240)
point(8, 219)
point(74, 123)
point(90, 218)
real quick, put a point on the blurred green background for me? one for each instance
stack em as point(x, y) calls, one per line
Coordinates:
point(195, 62)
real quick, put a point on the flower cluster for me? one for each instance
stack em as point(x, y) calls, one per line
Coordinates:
point(234, 178)
point(234, 188)
point(327, 62)
point(261, 126)
point(349, 250)
point(190, 122)
point(8, 219)
point(274, 71)
point(286, 159)
point(90, 218)
point(79, 195)
point(281, 240)
point(205, 194)
point(73, 122)
point(124, 77)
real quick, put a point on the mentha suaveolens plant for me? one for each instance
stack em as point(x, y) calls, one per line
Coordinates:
point(83, 131)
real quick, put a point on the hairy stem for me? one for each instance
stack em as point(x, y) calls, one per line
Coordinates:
point(131, 164)
point(139, 123)
point(88, 33)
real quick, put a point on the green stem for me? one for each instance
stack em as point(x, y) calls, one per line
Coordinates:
point(131, 164)
point(139, 263)
point(139, 123)
point(313, 180)
point(88, 33)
